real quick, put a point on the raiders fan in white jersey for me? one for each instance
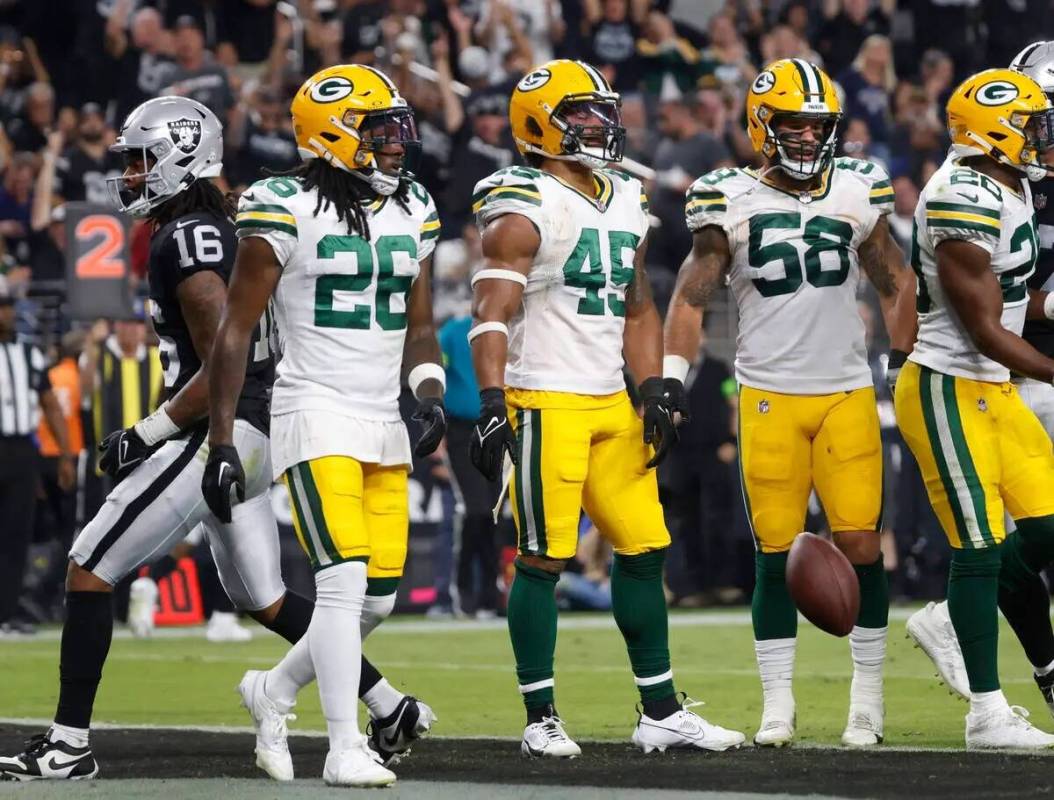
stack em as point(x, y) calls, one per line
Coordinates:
point(171, 147)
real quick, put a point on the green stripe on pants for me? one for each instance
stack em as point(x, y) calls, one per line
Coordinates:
point(521, 468)
point(537, 504)
point(305, 524)
point(315, 505)
point(962, 451)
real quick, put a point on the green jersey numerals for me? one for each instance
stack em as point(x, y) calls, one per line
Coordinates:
point(821, 234)
point(366, 256)
point(589, 266)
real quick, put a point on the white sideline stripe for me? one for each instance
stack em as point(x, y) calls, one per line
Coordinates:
point(600, 620)
point(36, 722)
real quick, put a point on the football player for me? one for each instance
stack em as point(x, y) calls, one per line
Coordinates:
point(1026, 607)
point(342, 250)
point(793, 240)
point(562, 305)
point(982, 452)
point(172, 147)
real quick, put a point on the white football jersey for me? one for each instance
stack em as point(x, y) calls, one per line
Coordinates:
point(340, 316)
point(961, 203)
point(567, 334)
point(795, 272)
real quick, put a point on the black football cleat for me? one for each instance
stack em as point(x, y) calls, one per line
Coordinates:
point(1046, 686)
point(392, 736)
point(45, 759)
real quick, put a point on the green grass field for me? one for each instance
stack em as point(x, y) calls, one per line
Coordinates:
point(465, 671)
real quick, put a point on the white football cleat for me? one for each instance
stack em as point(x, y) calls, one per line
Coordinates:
point(223, 627)
point(393, 736)
point(142, 602)
point(931, 629)
point(777, 727)
point(1008, 728)
point(683, 728)
point(272, 746)
point(548, 739)
point(358, 766)
point(865, 725)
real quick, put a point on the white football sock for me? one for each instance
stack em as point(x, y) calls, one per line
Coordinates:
point(336, 648)
point(868, 646)
point(1042, 671)
point(987, 702)
point(290, 675)
point(382, 699)
point(776, 668)
point(375, 610)
point(78, 737)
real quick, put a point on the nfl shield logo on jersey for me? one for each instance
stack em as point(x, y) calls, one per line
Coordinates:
point(186, 133)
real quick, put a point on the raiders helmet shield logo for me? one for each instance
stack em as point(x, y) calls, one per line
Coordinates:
point(185, 133)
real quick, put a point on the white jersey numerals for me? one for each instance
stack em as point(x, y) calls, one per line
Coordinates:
point(208, 247)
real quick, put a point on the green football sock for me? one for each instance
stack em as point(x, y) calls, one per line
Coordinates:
point(639, 605)
point(1023, 596)
point(874, 595)
point(973, 585)
point(532, 628)
point(772, 610)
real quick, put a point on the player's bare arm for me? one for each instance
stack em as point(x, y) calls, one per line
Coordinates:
point(974, 292)
point(642, 337)
point(881, 259)
point(702, 272)
point(67, 472)
point(1040, 305)
point(255, 276)
point(422, 362)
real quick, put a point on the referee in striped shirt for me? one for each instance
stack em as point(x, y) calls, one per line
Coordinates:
point(24, 389)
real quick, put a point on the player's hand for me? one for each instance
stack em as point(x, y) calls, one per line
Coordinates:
point(121, 452)
point(896, 361)
point(432, 416)
point(677, 398)
point(659, 430)
point(223, 483)
point(492, 437)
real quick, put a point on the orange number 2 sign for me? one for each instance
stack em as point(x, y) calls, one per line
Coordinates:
point(105, 259)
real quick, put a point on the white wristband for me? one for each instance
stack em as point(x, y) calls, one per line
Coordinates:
point(422, 372)
point(489, 327)
point(675, 367)
point(157, 427)
point(500, 274)
point(1048, 305)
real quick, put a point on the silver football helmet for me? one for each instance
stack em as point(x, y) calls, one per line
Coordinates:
point(178, 141)
point(1037, 62)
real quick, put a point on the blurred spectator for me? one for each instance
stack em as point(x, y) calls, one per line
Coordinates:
point(140, 55)
point(959, 28)
point(919, 134)
point(47, 229)
point(29, 132)
point(533, 27)
point(15, 196)
point(902, 220)
point(360, 22)
point(847, 24)
point(727, 59)
point(613, 28)
point(24, 391)
point(685, 153)
point(247, 29)
point(665, 54)
point(197, 75)
point(585, 585)
point(720, 114)
point(856, 141)
point(868, 85)
point(784, 42)
point(19, 68)
point(454, 263)
point(83, 169)
point(261, 138)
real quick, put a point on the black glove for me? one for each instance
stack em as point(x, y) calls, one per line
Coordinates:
point(659, 429)
point(492, 436)
point(223, 481)
point(432, 416)
point(677, 397)
point(121, 452)
point(896, 361)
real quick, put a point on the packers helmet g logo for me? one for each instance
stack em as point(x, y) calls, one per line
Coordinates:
point(534, 80)
point(332, 89)
point(763, 82)
point(996, 93)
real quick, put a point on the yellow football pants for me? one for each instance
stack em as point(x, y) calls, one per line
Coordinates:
point(790, 443)
point(347, 510)
point(582, 451)
point(981, 451)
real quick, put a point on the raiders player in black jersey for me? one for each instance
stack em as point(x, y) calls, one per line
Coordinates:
point(172, 146)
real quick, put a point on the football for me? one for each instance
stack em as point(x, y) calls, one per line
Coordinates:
point(823, 584)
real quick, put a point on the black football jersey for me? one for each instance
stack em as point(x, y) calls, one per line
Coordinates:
point(194, 243)
point(1040, 333)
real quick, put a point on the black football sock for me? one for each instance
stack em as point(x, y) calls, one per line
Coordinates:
point(532, 628)
point(874, 594)
point(369, 677)
point(973, 586)
point(537, 713)
point(292, 618)
point(772, 610)
point(1024, 599)
point(86, 636)
point(639, 606)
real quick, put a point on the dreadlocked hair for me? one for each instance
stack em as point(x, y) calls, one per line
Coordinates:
point(346, 193)
point(201, 196)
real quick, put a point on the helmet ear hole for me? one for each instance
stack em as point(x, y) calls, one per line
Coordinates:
point(533, 128)
point(329, 137)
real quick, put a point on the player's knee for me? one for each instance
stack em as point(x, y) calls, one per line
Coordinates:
point(376, 608)
point(341, 586)
point(641, 566)
point(553, 566)
point(79, 579)
point(860, 547)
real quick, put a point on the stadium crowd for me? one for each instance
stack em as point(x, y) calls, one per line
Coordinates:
point(71, 69)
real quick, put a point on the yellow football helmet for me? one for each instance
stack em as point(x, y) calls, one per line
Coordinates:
point(345, 113)
point(793, 89)
point(1005, 115)
point(567, 110)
